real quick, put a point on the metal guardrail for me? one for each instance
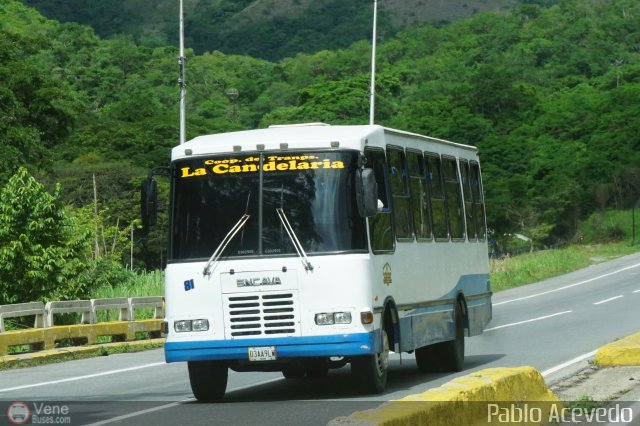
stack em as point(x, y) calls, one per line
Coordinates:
point(45, 333)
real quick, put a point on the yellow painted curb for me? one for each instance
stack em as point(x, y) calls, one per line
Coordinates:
point(468, 400)
point(54, 354)
point(45, 338)
point(621, 352)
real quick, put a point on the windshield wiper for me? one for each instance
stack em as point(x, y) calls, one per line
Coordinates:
point(224, 243)
point(294, 239)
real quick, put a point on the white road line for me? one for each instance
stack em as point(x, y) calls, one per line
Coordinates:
point(567, 286)
point(637, 291)
point(608, 300)
point(568, 363)
point(264, 382)
point(89, 376)
point(526, 321)
point(138, 413)
point(171, 405)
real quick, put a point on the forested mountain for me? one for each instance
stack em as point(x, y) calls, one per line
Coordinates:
point(550, 95)
point(268, 29)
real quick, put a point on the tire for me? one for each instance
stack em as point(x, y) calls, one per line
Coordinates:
point(370, 371)
point(208, 380)
point(293, 372)
point(451, 353)
point(317, 370)
point(427, 359)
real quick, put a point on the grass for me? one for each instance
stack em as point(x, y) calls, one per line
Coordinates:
point(584, 404)
point(528, 268)
point(611, 225)
point(141, 284)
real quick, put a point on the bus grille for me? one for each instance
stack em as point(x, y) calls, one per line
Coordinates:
point(261, 315)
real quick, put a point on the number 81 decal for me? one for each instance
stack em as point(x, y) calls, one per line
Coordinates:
point(189, 285)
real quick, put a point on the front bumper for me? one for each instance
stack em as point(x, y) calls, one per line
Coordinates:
point(286, 347)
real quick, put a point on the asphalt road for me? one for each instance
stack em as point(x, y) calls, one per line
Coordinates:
point(549, 325)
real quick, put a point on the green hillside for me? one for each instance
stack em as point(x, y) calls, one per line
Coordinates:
point(548, 95)
point(269, 29)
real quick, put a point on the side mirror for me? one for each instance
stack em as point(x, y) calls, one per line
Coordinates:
point(366, 193)
point(149, 202)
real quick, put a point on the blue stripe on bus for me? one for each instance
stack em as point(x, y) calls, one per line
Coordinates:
point(286, 347)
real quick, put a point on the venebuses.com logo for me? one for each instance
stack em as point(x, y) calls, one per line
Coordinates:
point(18, 413)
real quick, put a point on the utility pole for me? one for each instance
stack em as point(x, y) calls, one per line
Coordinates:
point(372, 100)
point(131, 262)
point(96, 253)
point(633, 225)
point(181, 80)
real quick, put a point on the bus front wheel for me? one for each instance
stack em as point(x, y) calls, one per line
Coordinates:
point(293, 371)
point(370, 371)
point(208, 379)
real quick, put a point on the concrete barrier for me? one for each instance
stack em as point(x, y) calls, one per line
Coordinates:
point(155, 302)
point(23, 310)
point(68, 306)
point(45, 334)
point(623, 352)
point(123, 304)
point(468, 400)
point(46, 338)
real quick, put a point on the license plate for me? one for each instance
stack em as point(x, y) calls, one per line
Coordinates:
point(262, 353)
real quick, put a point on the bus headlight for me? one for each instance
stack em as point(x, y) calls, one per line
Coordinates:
point(342, 317)
point(185, 326)
point(329, 318)
point(324, 319)
point(182, 326)
point(200, 325)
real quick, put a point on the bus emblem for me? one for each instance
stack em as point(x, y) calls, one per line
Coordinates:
point(386, 274)
point(254, 282)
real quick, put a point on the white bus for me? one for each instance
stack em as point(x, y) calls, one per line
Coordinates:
point(307, 247)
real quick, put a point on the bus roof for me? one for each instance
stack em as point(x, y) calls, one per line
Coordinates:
point(296, 136)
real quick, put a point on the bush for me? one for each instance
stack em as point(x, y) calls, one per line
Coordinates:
point(42, 249)
point(607, 226)
point(47, 250)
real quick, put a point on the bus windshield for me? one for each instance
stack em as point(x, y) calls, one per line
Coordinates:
point(315, 190)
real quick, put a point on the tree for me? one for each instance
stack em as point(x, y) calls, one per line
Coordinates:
point(42, 250)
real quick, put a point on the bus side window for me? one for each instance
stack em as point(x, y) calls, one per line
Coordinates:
point(478, 200)
point(454, 197)
point(380, 227)
point(438, 202)
point(419, 191)
point(400, 192)
point(471, 214)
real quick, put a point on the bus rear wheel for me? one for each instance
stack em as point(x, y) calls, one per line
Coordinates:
point(208, 379)
point(370, 371)
point(427, 359)
point(451, 353)
point(444, 356)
